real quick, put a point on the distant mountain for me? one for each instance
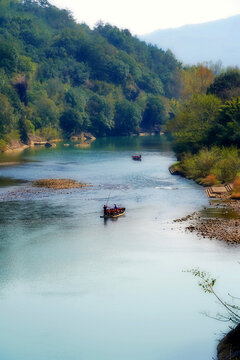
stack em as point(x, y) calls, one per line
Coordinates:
point(212, 41)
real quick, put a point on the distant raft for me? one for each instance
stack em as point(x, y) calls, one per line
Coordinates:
point(112, 212)
point(137, 157)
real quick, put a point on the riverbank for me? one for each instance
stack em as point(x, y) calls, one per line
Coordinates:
point(223, 218)
point(229, 346)
point(16, 146)
point(209, 167)
point(34, 141)
point(220, 221)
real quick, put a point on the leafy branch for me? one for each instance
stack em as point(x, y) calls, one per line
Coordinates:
point(207, 283)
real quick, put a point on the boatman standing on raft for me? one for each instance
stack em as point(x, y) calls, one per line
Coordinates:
point(105, 209)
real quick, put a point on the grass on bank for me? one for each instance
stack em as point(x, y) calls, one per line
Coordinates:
point(211, 166)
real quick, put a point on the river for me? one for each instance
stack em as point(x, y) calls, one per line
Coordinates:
point(73, 287)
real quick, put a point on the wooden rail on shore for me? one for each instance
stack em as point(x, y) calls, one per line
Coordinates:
point(218, 191)
point(229, 187)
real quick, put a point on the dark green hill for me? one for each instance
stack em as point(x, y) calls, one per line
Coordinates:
point(59, 76)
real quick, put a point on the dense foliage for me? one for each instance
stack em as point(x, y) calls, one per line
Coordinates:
point(59, 76)
point(226, 85)
point(212, 166)
point(193, 122)
point(210, 117)
point(206, 128)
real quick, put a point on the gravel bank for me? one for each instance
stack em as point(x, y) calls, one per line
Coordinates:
point(225, 227)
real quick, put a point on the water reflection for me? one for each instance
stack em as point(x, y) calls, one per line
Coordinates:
point(32, 214)
point(8, 181)
point(219, 213)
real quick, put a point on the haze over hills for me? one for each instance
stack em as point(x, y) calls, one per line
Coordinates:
point(212, 41)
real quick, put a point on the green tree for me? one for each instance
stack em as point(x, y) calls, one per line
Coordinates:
point(127, 117)
point(154, 114)
point(150, 83)
point(8, 56)
point(100, 114)
point(193, 122)
point(71, 121)
point(7, 118)
point(47, 111)
point(118, 71)
point(226, 85)
point(55, 90)
point(227, 128)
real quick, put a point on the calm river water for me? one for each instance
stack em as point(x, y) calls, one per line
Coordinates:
point(75, 288)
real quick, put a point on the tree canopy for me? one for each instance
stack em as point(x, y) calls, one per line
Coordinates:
point(54, 71)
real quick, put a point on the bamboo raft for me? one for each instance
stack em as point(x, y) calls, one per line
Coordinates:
point(113, 213)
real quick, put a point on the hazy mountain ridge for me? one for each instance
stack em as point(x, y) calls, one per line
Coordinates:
point(212, 41)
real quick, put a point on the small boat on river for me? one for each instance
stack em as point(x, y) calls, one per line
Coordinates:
point(137, 157)
point(113, 212)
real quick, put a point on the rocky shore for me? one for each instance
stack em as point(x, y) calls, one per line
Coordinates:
point(220, 221)
point(223, 222)
point(15, 146)
point(229, 346)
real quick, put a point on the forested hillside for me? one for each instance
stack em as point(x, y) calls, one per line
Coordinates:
point(58, 77)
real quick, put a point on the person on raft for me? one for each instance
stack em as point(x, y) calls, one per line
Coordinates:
point(105, 209)
point(108, 211)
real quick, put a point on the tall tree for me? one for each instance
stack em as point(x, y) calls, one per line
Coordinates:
point(193, 122)
point(127, 117)
point(226, 85)
point(154, 114)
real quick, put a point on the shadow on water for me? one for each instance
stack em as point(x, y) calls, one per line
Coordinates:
point(8, 181)
point(31, 214)
point(9, 160)
point(219, 213)
point(107, 220)
point(117, 143)
point(135, 143)
point(24, 220)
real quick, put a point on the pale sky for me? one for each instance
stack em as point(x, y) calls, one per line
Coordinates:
point(142, 17)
